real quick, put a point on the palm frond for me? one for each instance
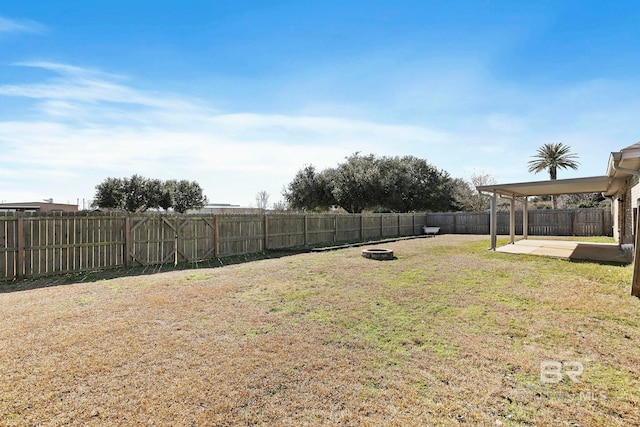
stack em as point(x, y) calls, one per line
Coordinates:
point(552, 157)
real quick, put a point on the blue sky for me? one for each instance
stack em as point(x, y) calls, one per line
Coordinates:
point(239, 95)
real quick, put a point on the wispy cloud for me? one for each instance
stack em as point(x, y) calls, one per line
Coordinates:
point(90, 125)
point(93, 125)
point(84, 85)
point(20, 26)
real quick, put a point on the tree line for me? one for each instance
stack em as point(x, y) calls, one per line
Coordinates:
point(408, 183)
point(361, 182)
point(397, 184)
point(138, 194)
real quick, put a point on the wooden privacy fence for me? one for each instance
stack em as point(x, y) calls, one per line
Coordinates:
point(559, 222)
point(40, 245)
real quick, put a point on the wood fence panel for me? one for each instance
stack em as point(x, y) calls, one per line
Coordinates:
point(321, 229)
point(588, 222)
point(607, 223)
point(389, 225)
point(348, 228)
point(43, 244)
point(419, 221)
point(371, 226)
point(564, 222)
point(444, 220)
point(153, 239)
point(503, 223)
point(471, 223)
point(286, 231)
point(241, 234)
point(406, 222)
point(8, 247)
point(548, 222)
point(196, 238)
point(61, 244)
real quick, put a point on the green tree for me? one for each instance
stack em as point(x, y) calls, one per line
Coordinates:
point(356, 183)
point(153, 192)
point(188, 195)
point(166, 195)
point(552, 157)
point(309, 190)
point(136, 194)
point(401, 184)
point(109, 194)
point(412, 184)
point(585, 200)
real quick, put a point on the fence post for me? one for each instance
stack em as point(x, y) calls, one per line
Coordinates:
point(381, 225)
point(455, 223)
point(266, 232)
point(361, 226)
point(306, 230)
point(216, 236)
point(335, 228)
point(127, 242)
point(176, 242)
point(20, 242)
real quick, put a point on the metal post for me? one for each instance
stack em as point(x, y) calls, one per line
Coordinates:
point(493, 221)
point(525, 218)
point(512, 219)
point(635, 280)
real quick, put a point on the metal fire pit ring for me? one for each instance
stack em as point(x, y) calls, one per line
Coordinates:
point(377, 253)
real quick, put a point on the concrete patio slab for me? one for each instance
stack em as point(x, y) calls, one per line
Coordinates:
point(603, 252)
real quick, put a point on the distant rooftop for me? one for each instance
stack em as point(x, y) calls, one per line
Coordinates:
point(44, 206)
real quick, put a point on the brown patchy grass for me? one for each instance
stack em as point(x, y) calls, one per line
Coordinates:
point(446, 334)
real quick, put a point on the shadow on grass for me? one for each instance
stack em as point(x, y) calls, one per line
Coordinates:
point(114, 273)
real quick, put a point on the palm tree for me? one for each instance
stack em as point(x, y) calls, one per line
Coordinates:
point(551, 157)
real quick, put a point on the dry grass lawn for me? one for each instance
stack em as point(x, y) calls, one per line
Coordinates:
point(446, 334)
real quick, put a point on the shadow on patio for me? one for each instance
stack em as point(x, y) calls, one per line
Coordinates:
point(599, 252)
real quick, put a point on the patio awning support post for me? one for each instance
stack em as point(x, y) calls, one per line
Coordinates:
point(635, 279)
point(525, 218)
point(493, 221)
point(512, 219)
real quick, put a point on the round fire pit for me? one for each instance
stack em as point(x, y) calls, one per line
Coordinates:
point(379, 254)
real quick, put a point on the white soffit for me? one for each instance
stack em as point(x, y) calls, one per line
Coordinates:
point(593, 184)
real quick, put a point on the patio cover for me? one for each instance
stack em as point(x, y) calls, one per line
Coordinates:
point(608, 185)
point(622, 164)
point(593, 184)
